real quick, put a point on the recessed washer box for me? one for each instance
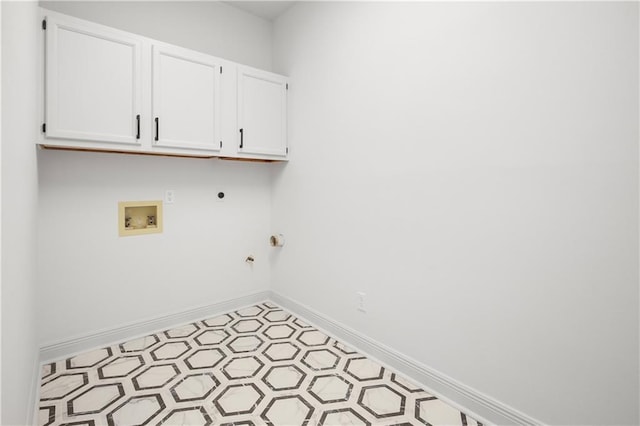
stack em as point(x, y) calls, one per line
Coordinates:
point(139, 217)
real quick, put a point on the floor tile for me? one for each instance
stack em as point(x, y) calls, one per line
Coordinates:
point(258, 365)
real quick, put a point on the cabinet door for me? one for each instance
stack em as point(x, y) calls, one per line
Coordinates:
point(262, 113)
point(186, 99)
point(93, 82)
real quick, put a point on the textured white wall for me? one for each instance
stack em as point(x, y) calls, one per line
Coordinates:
point(1, 212)
point(89, 278)
point(19, 201)
point(473, 168)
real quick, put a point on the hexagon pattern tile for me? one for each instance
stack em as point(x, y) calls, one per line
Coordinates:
point(258, 365)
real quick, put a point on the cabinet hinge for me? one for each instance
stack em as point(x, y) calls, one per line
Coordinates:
point(44, 127)
point(44, 24)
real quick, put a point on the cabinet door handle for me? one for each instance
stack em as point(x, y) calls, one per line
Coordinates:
point(138, 126)
point(241, 138)
point(157, 129)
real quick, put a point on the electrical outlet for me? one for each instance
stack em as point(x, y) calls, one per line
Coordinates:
point(361, 301)
point(169, 196)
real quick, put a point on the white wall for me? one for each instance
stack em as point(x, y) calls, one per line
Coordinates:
point(19, 200)
point(89, 278)
point(0, 211)
point(473, 168)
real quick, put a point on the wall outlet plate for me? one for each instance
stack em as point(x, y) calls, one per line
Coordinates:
point(361, 301)
point(169, 196)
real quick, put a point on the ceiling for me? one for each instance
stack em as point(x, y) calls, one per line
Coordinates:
point(268, 10)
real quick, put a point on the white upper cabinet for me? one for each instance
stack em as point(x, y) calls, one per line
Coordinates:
point(186, 99)
point(262, 113)
point(93, 82)
point(109, 90)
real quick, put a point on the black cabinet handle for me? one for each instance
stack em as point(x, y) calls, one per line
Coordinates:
point(138, 126)
point(157, 129)
point(241, 137)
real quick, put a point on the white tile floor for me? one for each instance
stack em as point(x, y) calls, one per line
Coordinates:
point(256, 366)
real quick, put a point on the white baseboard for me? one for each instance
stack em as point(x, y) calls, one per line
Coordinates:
point(34, 393)
point(108, 337)
point(471, 401)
